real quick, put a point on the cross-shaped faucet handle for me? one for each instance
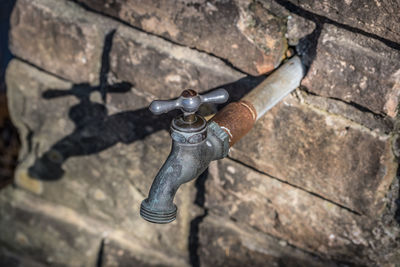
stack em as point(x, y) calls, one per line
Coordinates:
point(189, 101)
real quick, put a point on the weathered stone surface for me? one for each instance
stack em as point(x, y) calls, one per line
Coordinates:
point(59, 37)
point(369, 120)
point(242, 32)
point(163, 69)
point(153, 65)
point(355, 69)
point(58, 236)
point(322, 153)
point(279, 209)
point(11, 259)
point(6, 7)
point(224, 243)
point(43, 238)
point(97, 163)
point(116, 254)
point(380, 17)
point(297, 26)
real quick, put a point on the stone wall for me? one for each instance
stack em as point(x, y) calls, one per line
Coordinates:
point(313, 184)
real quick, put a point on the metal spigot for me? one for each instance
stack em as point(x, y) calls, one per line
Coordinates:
point(194, 144)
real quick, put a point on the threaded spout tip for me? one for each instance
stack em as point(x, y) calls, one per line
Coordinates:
point(160, 217)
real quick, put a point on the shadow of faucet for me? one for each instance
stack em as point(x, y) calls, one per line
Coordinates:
point(96, 131)
point(96, 135)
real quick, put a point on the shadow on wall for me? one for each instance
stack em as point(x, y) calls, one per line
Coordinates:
point(96, 131)
point(9, 142)
point(397, 212)
point(6, 6)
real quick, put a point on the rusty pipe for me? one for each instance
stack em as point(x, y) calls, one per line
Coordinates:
point(237, 118)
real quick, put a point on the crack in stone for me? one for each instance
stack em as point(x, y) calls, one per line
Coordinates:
point(378, 117)
point(313, 254)
point(319, 19)
point(351, 103)
point(297, 187)
point(42, 69)
point(100, 253)
point(29, 141)
point(224, 60)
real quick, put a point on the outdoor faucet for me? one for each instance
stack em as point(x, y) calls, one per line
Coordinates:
point(194, 145)
point(196, 142)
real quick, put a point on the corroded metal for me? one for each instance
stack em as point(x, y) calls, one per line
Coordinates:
point(236, 119)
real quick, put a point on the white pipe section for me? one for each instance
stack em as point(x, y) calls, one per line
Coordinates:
point(276, 86)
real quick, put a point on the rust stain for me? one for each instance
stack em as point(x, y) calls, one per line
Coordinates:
point(236, 119)
point(189, 93)
point(264, 65)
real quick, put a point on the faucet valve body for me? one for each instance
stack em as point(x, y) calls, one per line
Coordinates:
point(195, 143)
point(189, 132)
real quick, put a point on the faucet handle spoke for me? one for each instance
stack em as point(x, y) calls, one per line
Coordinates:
point(189, 101)
point(218, 96)
point(158, 107)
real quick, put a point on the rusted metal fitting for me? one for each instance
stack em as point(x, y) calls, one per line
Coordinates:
point(236, 119)
point(189, 93)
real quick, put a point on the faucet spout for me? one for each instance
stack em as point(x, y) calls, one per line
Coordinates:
point(185, 163)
